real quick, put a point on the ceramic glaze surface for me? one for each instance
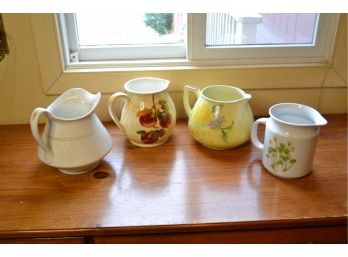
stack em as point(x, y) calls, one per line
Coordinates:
point(74, 140)
point(221, 118)
point(290, 139)
point(148, 115)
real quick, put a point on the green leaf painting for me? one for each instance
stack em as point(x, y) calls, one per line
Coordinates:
point(279, 155)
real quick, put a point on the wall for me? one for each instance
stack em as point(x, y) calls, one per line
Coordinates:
point(21, 87)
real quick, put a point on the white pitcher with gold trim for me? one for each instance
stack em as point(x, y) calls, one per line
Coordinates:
point(74, 140)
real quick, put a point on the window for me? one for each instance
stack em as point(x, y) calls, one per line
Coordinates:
point(124, 36)
point(59, 74)
point(228, 29)
point(264, 38)
point(196, 39)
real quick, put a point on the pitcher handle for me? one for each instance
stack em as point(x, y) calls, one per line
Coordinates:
point(110, 106)
point(186, 97)
point(254, 138)
point(34, 125)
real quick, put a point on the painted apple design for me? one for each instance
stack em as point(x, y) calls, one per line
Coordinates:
point(156, 117)
point(147, 118)
point(164, 116)
point(150, 137)
point(164, 119)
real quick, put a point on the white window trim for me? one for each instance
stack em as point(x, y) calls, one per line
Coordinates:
point(291, 54)
point(111, 52)
point(109, 76)
point(200, 55)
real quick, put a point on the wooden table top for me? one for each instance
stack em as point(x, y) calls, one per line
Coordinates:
point(178, 186)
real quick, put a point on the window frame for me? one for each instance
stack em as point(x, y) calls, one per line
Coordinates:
point(107, 77)
point(318, 52)
point(197, 53)
point(69, 33)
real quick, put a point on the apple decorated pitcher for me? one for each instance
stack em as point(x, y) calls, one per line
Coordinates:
point(148, 114)
point(221, 118)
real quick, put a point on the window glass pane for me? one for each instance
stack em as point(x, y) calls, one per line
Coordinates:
point(223, 29)
point(130, 28)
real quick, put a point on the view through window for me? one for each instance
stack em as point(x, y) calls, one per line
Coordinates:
point(223, 29)
point(169, 37)
point(130, 28)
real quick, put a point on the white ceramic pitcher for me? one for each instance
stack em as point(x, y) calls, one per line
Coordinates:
point(290, 139)
point(74, 140)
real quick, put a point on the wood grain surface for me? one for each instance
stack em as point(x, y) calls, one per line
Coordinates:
point(178, 190)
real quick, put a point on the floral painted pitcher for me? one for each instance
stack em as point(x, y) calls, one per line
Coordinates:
point(148, 114)
point(221, 118)
point(290, 139)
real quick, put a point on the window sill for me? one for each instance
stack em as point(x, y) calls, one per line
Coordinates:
point(184, 64)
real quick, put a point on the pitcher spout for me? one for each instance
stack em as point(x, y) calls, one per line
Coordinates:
point(94, 100)
point(247, 96)
point(319, 120)
point(76, 103)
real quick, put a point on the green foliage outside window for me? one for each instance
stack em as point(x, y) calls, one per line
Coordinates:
point(160, 22)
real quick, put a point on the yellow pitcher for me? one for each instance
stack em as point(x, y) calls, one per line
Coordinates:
point(221, 118)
